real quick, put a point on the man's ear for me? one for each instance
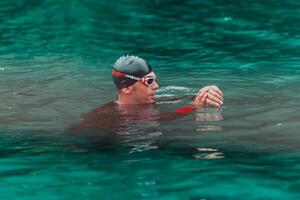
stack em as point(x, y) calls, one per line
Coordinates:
point(127, 90)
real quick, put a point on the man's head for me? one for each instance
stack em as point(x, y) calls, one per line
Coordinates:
point(135, 80)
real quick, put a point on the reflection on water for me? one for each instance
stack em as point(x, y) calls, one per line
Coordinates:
point(209, 128)
point(209, 114)
point(208, 153)
point(141, 146)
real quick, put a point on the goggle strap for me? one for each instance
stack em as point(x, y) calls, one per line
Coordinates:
point(144, 79)
point(132, 77)
point(124, 75)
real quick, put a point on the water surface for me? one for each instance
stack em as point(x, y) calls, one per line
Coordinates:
point(55, 64)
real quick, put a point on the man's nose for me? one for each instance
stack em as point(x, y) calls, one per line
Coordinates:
point(155, 86)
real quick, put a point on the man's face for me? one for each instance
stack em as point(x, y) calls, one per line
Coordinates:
point(144, 94)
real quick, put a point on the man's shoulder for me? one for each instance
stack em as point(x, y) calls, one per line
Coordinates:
point(107, 108)
point(100, 117)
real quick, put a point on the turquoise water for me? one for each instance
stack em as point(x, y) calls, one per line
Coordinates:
point(55, 64)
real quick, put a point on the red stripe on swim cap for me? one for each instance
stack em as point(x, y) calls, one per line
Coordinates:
point(118, 73)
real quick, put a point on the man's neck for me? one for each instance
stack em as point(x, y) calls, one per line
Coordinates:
point(121, 100)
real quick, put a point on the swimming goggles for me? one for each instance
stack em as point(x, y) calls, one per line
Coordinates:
point(148, 81)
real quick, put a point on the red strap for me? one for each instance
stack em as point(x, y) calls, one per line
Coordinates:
point(118, 73)
point(186, 109)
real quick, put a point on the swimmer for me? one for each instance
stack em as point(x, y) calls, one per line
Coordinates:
point(137, 85)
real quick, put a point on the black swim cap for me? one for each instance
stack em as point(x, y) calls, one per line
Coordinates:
point(130, 65)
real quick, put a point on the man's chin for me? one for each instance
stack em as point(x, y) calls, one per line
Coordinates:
point(151, 102)
point(152, 99)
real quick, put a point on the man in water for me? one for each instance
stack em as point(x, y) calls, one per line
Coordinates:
point(136, 84)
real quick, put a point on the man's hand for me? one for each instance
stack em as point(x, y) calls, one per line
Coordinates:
point(210, 95)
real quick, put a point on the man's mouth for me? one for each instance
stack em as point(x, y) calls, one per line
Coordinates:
point(153, 96)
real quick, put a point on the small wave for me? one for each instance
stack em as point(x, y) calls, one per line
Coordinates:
point(209, 128)
point(169, 102)
point(165, 95)
point(208, 153)
point(171, 91)
point(175, 88)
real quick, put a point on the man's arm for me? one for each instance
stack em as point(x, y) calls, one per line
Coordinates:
point(209, 95)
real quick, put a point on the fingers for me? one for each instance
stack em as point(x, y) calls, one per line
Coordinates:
point(212, 103)
point(212, 87)
point(203, 100)
point(216, 89)
point(215, 94)
point(200, 100)
point(201, 94)
point(215, 100)
point(205, 89)
point(206, 98)
point(210, 95)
